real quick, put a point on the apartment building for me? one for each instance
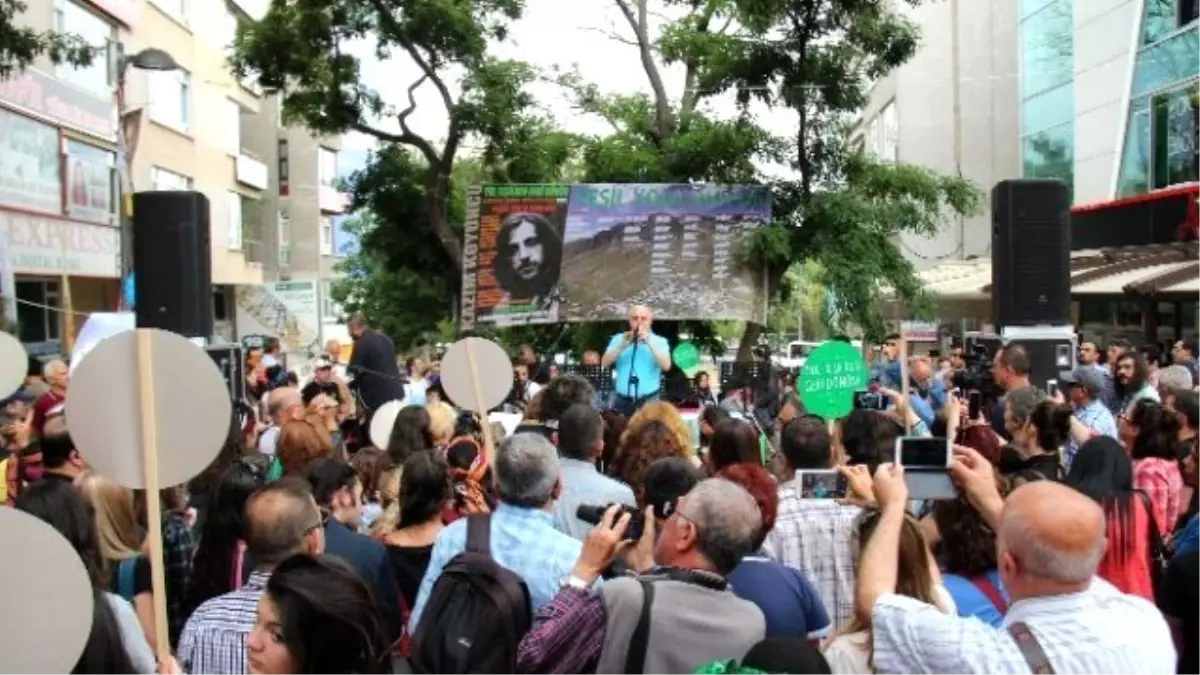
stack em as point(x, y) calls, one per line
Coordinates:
point(299, 218)
point(187, 131)
point(953, 108)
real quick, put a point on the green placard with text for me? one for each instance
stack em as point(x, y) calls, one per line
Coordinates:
point(829, 378)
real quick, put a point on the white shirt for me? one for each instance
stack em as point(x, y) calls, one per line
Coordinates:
point(1100, 630)
point(268, 439)
point(132, 637)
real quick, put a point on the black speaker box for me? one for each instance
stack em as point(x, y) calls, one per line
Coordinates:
point(1031, 253)
point(172, 262)
point(230, 360)
point(1048, 356)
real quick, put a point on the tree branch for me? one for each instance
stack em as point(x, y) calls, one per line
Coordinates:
point(640, 25)
point(612, 35)
point(691, 96)
point(397, 32)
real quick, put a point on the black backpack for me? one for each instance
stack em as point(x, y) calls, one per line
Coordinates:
point(476, 615)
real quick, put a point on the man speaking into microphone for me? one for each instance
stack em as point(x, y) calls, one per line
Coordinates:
point(639, 358)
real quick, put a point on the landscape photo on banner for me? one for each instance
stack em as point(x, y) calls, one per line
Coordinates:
point(513, 244)
point(679, 249)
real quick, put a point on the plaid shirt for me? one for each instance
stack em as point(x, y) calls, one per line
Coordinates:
point(1161, 481)
point(816, 536)
point(1094, 416)
point(214, 639)
point(567, 635)
point(178, 546)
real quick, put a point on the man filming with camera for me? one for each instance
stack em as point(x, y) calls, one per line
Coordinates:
point(639, 358)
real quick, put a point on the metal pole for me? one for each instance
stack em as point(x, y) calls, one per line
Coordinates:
point(124, 171)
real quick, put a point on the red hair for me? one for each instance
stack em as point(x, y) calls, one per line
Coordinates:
point(762, 487)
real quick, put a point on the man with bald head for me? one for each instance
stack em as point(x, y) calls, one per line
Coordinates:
point(1062, 618)
point(638, 357)
point(282, 520)
point(283, 405)
point(57, 375)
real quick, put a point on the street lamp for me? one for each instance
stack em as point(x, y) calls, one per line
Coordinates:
point(153, 59)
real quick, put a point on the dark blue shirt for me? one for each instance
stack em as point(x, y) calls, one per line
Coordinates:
point(788, 601)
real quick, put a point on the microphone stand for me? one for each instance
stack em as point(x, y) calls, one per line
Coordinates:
point(631, 389)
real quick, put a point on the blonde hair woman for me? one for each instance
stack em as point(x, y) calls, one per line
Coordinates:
point(127, 569)
point(441, 423)
point(850, 648)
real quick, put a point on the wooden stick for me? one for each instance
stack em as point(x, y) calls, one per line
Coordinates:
point(489, 450)
point(158, 581)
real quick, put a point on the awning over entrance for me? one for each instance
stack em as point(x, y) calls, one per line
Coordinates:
point(1138, 271)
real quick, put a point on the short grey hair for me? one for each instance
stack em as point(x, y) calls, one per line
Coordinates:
point(526, 470)
point(1175, 378)
point(1022, 401)
point(52, 367)
point(1041, 560)
point(727, 521)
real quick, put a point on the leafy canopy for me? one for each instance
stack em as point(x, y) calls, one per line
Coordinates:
point(21, 45)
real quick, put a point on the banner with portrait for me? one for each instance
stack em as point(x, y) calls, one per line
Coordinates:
point(512, 254)
point(29, 164)
point(91, 192)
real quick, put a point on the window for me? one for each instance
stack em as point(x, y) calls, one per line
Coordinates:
point(1161, 141)
point(1047, 55)
point(326, 235)
point(99, 77)
point(1171, 61)
point(170, 98)
point(176, 9)
point(234, 233)
point(1050, 154)
point(1048, 109)
point(1164, 17)
point(330, 308)
point(1189, 11)
point(1031, 6)
point(233, 127)
point(327, 166)
point(169, 180)
point(890, 133)
point(91, 183)
point(37, 317)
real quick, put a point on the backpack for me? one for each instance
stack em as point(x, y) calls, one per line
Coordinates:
point(125, 586)
point(476, 614)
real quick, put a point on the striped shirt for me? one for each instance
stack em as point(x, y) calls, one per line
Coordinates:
point(1099, 630)
point(214, 639)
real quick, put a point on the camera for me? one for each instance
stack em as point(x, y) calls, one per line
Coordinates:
point(593, 514)
point(977, 376)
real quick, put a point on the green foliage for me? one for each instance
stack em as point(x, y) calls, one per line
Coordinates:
point(20, 45)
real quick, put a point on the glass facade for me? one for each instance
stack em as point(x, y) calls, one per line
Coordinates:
point(1161, 139)
point(1047, 89)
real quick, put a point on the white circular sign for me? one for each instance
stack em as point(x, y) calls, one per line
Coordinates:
point(14, 362)
point(191, 415)
point(382, 423)
point(492, 366)
point(48, 601)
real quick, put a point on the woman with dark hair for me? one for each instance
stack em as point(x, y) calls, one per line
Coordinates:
point(1103, 471)
point(412, 432)
point(317, 616)
point(967, 555)
point(705, 396)
point(1037, 437)
point(789, 602)
point(734, 441)
point(116, 643)
point(424, 492)
point(710, 417)
point(220, 564)
point(614, 426)
point(1151, 433)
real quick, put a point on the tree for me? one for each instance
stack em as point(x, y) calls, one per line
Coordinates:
point(299, 48)
point(810, 56)
point(21, 45)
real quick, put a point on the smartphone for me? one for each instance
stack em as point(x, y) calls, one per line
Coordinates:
point(974, 405)
point(923, 453)
point(1051, 388)
point(866, 399)
point(822, 484)
point(594, 513)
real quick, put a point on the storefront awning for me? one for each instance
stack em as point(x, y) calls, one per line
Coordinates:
point(1142, 271)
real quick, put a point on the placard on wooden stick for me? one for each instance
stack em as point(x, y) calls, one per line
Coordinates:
point(149, 409)
point(382, 422)
point(14, 361)
point(48, 601)
point(477, 375)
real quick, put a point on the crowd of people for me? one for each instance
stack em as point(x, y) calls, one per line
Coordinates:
point(602, 538)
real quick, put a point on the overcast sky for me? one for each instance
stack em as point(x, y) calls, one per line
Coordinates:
point(545, 37)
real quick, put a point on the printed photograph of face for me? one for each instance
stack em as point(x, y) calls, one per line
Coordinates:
point(528, 255)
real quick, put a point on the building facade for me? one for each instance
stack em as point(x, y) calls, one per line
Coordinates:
point(951, 108)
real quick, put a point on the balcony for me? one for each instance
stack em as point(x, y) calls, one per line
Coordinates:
point(249, 171)
point(330, 200)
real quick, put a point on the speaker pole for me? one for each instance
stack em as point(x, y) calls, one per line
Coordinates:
point(68, 318)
